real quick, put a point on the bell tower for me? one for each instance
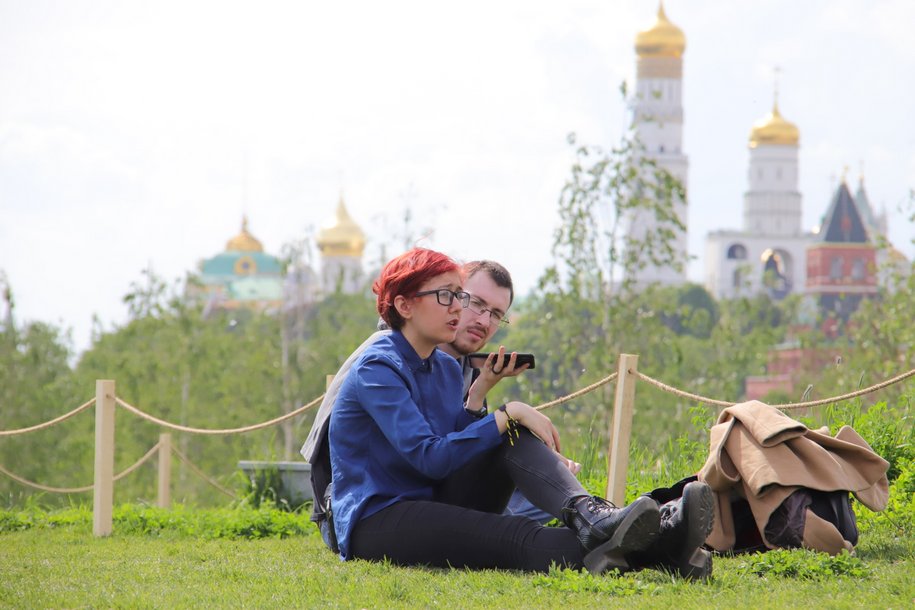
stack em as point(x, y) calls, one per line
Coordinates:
point(341, 245)
point(658, 119)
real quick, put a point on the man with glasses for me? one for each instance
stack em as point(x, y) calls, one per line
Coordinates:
point(686, 513)
point(491, 294)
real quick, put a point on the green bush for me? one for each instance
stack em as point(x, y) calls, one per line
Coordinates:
point(803, 564)
point(237, 522)
point(889, 431)
point(265, 487)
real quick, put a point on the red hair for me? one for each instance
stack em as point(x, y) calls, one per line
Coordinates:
point(404, 275)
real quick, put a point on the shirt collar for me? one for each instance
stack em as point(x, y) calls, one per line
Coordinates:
point(410, 357)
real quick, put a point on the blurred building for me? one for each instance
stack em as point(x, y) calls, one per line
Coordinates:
point(842, 269)
point(657, 109)
point(342, 244)
point(242, 276)
point(245, 276)
point(769, 253)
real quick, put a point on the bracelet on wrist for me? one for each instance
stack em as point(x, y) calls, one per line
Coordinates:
point(479, 414)
point(511, 426)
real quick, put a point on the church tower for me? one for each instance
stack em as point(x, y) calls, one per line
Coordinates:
point(769, 254)
point(772, 205)
point(243, 276)
point(842, 262)
point(658, 120)
point(341, 245)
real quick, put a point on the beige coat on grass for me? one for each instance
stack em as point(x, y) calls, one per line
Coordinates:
point(761, 454)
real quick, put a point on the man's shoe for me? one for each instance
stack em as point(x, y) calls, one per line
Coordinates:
point(607, 533)
point(685, 524)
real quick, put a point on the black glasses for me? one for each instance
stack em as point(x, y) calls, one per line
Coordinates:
point(479, 307)
point(446, 297)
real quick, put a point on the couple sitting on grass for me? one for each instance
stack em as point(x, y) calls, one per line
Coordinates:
point(420, 473)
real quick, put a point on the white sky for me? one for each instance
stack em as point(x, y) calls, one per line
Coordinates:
point(137, 133)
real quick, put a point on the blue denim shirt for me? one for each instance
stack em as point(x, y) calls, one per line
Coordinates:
point(397, 428)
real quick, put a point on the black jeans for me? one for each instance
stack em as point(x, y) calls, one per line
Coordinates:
point(463, 525)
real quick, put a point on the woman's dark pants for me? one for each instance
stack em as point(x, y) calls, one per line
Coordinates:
point(463, 525)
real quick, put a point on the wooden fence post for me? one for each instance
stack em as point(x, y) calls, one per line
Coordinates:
point(103, 489)
point(621, 429)
point(165, 470)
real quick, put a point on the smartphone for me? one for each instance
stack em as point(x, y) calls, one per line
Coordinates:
point(478, 359)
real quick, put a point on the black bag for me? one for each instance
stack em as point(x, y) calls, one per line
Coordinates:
point(326, 525)
point(322, 488)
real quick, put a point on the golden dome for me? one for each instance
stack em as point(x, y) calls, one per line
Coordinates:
point(774, 129)
point(344, 238)
point(244, 241)
point(663, 39)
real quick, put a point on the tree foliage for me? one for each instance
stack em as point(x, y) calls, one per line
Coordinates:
point(224, 370)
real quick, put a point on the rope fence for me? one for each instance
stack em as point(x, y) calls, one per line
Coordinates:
point(577, 393)
point(202, 474)
point(106, 401)
point(224, 431)
point(785, 406)
point(84, 488)
point(50, 423)
point(553, 403)
point(127, 471)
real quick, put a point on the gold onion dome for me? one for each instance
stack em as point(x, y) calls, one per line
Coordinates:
point(344, 238)
point(244, 241)
point(774, 129)
point(663, 39)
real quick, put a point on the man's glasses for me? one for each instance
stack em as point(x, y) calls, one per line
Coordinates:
point(478, 307)
point(446, 297)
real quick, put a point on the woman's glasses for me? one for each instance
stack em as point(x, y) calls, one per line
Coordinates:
point(446, 297)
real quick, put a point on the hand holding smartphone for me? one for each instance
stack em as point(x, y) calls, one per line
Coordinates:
point(478, 359)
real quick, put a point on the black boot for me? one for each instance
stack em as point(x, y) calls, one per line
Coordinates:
point(608, 533)
point(685, 524)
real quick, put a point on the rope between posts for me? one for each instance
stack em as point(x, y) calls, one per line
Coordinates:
point(873, 388)
point(790, 405)
point(578, 393)
point(74, 490)
point(201, 474)
point(251, 428)
point(678, 392)
point(552, 403)
point(52, 422)
point(137, 464)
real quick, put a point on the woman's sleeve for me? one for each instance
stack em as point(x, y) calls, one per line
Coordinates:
point(384, 395)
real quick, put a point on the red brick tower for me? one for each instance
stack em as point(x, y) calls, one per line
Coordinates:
point(842, 262)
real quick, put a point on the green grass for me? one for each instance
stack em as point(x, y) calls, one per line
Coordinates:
point(252, 556)
point(62, 565)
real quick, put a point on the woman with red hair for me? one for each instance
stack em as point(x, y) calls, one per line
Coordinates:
point(419, 481)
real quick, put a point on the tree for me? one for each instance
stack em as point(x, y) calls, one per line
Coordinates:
point(586, 309)
point(36, 385)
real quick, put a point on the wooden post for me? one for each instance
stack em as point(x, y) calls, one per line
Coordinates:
point(621, 429)
point(103, 491)
point(165, 470)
